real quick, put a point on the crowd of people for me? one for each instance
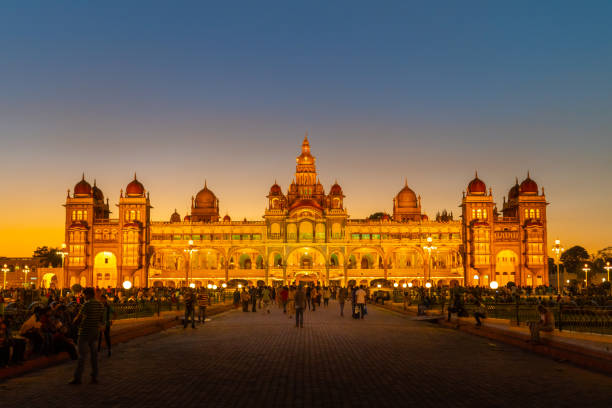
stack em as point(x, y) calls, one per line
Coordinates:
point(295, 299)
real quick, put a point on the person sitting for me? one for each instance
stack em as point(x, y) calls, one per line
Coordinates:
point(480, 313)
point(545, 324)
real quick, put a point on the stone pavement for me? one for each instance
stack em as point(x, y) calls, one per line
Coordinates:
point(253, 360)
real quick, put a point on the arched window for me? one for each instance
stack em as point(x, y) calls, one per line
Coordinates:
point(532, 213)
point(479, 213)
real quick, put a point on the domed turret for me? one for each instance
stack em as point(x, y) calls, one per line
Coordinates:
point(97, 193)
point(275, 189)
point(335, 189)
point(227, 218)
point(407, 198)
point(514, 191)
point(528, 186)
point(205, 198)
point(82, 188)
point(187, 218)
point(175, 217)
point(135, 188)
point(477, 186)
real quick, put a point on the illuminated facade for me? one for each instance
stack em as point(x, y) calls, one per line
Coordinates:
point(306, 235)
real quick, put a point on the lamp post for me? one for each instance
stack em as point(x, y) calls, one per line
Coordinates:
point(586, 270)
point(63, 253)
point(5, 269)
point(429, 247)
point(607, 268)
point(558, 250)
point(26, 269)
point(190, 250)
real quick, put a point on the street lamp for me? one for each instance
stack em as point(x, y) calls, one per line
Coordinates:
point(558, 250)
point(5, 269)
point(409, 284)
point(429, 247)
point(586, 270)
point(190, 250)
point(607, 268)
point(494, 285)
point(26, 269)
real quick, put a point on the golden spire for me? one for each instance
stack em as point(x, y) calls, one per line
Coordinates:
point(306, 144)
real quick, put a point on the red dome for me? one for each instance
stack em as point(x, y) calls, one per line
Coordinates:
point(477, 186)
point(187, 218)
point(336, 189)
point(226, 218)
point(528, 186)
point(82, 188)
point(276, 190)
point(135, 188)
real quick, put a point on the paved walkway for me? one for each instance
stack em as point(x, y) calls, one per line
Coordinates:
point(255, 360)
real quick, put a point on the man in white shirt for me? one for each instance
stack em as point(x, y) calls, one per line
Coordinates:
point(360, 297)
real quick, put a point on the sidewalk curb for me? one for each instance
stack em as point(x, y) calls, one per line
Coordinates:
point(579, 356)
point(122, 336)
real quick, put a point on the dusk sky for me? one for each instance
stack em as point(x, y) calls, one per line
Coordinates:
point(180, 92)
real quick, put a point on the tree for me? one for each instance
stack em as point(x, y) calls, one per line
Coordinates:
point(48, 256)
point(376, 216)
point(574, 258)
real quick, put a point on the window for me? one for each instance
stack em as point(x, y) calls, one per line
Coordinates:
point(532, 213)
point(526, 213)
point(484, 214)
point(479, 213)
point(538, 214)
point(473, 213)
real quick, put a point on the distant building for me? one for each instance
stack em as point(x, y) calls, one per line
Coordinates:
point(306, 235)
point(16, 271)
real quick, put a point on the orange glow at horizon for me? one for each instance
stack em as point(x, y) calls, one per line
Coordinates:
point(31, 223)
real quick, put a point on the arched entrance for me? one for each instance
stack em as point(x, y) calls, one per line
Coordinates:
point(105, 270)
point(49, 281)
point(505, 267)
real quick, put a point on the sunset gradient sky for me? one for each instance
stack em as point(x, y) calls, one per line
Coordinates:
point(185, 91)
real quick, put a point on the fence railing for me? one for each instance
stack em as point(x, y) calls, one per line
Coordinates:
point(588, 319)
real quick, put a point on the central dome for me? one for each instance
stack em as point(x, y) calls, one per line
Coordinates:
point(407, 198)
point(205, 198)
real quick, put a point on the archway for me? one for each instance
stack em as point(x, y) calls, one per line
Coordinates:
point(505, 266)
point(49, 281)
point(105, 270)
point(245, 261)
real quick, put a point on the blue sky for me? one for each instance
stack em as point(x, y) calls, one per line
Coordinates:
point(182, 91)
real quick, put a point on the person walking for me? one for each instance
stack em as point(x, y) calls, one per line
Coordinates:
point(91, 317)
point(189, 309)
point(108, 321)
point(266, 298)
point(236, 298)
point(284, 296)
point(203, 300)
point(308, 297)
point(254, 296)
point(342, 295)
point(326, 296)
point(245, 298)
point(360, 298)
point(300, 305)
point(291, 301)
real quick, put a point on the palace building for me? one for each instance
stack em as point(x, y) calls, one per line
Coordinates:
point(306, 234)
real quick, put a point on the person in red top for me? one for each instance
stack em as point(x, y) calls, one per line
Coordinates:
point(284, 295)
